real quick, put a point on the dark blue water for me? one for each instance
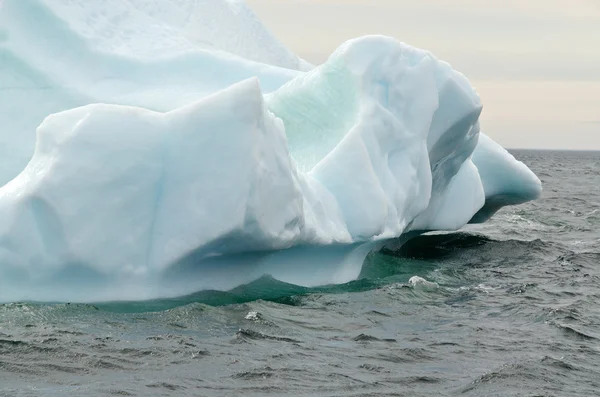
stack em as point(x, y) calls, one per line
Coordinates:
point(508, 308)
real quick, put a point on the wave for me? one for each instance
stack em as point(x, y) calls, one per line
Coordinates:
point(456, 245)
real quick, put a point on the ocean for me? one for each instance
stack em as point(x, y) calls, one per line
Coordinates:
point(507, 308)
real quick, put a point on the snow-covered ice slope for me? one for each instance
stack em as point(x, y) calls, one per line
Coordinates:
point(197, 191)
point(151, 28)
point(58, 54)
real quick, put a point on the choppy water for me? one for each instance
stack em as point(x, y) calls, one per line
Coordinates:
point(509, 308)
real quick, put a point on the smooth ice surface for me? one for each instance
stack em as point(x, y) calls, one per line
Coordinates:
point(59, 54)
point(216, 179)
point(506, 181)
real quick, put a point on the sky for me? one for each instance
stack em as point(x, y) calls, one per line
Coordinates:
point(535, 63)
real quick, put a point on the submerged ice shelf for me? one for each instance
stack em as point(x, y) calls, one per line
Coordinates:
point(188, 179)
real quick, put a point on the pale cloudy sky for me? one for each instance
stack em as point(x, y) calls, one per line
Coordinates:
point(535, 63)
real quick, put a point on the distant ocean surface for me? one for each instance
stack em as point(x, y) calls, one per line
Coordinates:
point(507, 308)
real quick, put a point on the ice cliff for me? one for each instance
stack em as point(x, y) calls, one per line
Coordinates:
point(205, 156)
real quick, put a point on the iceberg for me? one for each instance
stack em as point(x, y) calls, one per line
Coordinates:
point(213, 165)
point(56, 55)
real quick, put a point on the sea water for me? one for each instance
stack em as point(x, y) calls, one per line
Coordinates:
point(507, 308)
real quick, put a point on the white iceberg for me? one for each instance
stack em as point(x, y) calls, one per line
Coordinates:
point(220, 180)
point(59, 54)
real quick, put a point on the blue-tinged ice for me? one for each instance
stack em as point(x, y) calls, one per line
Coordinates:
point(208, 166)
